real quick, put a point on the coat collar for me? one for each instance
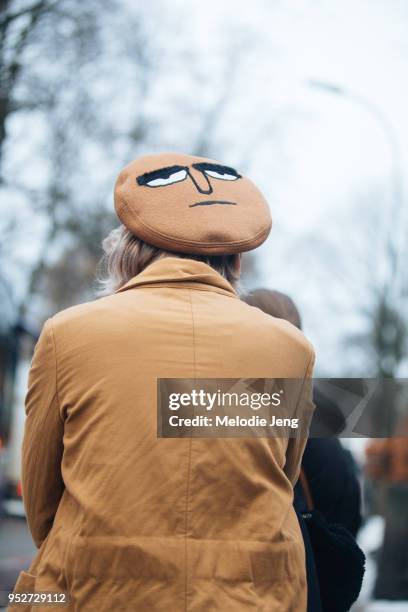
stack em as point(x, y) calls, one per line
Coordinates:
point(181, 272)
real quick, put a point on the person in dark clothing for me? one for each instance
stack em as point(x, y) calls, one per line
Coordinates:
point(327, 467)
point(338, 498)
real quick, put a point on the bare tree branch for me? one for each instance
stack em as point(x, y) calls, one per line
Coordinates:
point(36, 8)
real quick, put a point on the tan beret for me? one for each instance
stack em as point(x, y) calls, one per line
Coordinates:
point(191, 204)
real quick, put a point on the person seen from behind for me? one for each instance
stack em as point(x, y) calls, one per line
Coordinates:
point(328, 484)
point(122, 519)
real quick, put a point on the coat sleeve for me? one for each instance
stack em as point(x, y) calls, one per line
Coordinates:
point(42, 448)
point(304, 411)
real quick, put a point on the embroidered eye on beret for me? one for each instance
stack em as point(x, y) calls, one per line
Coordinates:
point(189, 204)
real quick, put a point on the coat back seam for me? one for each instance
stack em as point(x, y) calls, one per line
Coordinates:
point(188, 490)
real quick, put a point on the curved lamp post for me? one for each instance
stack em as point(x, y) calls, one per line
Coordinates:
point(394, 248)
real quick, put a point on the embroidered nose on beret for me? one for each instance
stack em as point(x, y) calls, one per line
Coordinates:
point(189, 204)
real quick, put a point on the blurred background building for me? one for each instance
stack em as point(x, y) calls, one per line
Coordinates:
point(308, 98)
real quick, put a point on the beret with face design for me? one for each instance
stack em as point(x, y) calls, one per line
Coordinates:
point(189, 204)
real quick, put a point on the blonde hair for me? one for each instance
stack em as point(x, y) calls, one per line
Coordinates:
point(125, 256)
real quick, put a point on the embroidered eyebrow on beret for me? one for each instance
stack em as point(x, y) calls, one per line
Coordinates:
point(202, 166)
point(161, 173)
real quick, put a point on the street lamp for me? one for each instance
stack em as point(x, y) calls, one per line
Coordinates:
point(394, 247)
point(389, 333)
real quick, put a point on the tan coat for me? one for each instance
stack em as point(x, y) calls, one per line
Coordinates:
point(126, 521)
